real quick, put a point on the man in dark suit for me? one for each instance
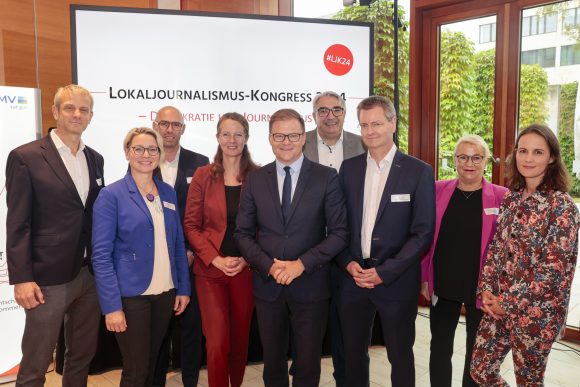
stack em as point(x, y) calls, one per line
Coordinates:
point(329, 144)
point(51, 186)
point(177, 170)
point(291, 224)
point(390, 201)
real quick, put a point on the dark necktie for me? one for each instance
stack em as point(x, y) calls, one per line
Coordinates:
point(286, 194)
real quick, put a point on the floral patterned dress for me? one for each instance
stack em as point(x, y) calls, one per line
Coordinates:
point(530, 267)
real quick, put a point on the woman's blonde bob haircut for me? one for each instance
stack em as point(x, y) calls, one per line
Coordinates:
point(143, 130)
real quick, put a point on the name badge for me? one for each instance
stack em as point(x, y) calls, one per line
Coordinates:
point(171, 206)
point(99, 182)
point(400, 198)
point(491, 211)
point(189, 179)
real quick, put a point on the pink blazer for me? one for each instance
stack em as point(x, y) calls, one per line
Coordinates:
point(492, 196)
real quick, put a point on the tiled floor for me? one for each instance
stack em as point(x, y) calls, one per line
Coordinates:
point(563, 367)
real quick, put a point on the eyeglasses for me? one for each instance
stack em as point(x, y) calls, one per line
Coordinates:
point(165, 125)
point(374, 125)
point(475, 159)
point(279, 137)
point(140, 150)
point(337, 111)
point(227, 136)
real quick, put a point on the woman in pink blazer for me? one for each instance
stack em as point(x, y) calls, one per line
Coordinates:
point(223, 278)
point(466, 213)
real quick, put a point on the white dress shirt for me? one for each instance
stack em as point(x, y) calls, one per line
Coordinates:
point(169, 169)
point(294, 174)
point(330, 155)
point(375, 179)
point(76, 165)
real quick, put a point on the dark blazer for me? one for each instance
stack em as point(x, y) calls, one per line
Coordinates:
point(188, 162)
point(403, 229)
point(352, 145)
point(205, 220)
point(48, 228)
point(123, 243)
point(317, 209)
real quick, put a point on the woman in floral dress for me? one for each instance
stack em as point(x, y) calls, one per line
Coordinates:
point(526, 279)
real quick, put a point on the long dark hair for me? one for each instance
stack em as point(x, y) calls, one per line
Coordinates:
point(246, 163)
point(555, 177)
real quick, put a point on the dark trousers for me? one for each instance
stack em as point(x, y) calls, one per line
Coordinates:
point(443, 321)
point(184, 334)
point(226, 305)
point(308, 322)
point(337, 346)
point(147, 321)
point(357, 308)
point(76, 303)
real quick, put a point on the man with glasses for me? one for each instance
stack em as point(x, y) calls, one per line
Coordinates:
point(291, 224)
point(329, 144)
point(185, 331)
point(390, 199)
point(51, 186)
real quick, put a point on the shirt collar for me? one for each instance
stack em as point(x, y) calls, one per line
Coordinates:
point(294, 167)
point(61, 145)
point(175, 160)
point(389, 157)
point(321, 141)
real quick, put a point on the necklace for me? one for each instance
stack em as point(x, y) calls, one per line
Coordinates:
point(468, 195)
point(149, 196)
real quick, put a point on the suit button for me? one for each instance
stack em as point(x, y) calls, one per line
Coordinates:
point(148, 245)
point(285, 236)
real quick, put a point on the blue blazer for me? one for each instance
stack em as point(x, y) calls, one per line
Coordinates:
point(403, 228)
point(123, 242)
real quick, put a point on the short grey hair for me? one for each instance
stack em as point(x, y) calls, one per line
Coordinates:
point(328, 94)
point(475, 140)
point(144, 130)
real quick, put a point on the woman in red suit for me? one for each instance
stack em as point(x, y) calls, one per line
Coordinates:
point(223, 278)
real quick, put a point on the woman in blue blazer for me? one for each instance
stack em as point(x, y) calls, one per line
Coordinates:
point(139, 257)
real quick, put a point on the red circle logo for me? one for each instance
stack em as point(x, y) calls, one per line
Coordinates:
point(338, 59)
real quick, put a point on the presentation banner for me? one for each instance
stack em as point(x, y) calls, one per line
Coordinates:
point(20, 122)
point(136, 61)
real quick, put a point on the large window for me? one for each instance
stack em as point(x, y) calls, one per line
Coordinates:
point(570, 55)
point(572, 17)
point(545, 57)
point(539, 24)
point(487, 33)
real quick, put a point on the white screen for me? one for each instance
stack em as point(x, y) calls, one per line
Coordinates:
point(134, 61)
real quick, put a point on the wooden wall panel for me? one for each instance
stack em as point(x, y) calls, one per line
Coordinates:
point(54, 51)
point(17, 51)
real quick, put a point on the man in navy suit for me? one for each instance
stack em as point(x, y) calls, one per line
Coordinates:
point(176, 170)
point(291, 224)
point(390, 200)
point(51, 185)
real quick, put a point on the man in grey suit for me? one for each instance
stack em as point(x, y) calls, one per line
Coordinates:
point(329, 144)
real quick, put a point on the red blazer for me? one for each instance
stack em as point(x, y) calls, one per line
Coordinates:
point(205, 220)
